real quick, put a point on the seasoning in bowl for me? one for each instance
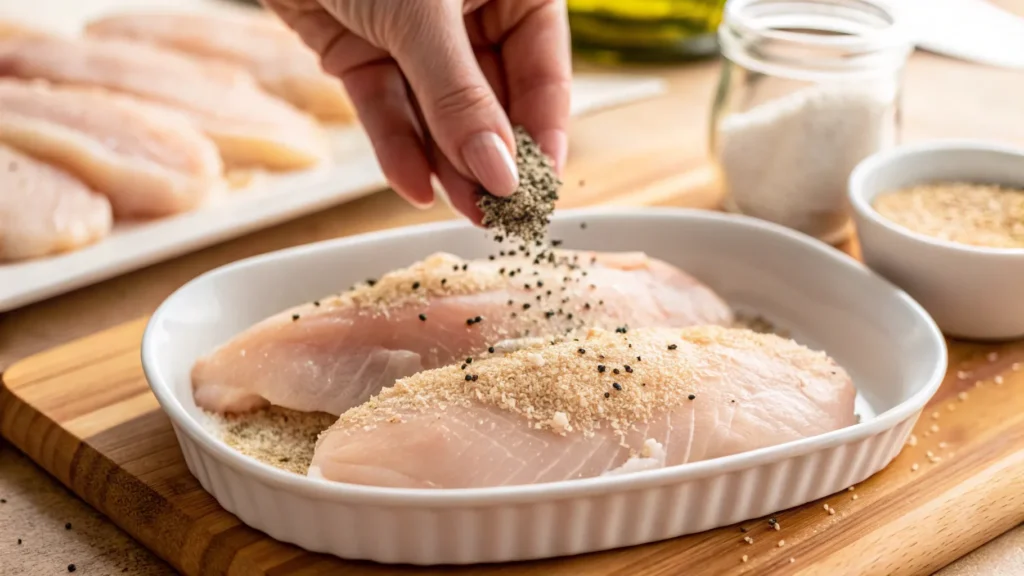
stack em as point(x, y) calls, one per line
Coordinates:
point(983, 215)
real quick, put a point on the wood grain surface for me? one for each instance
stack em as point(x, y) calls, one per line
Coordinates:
point(651, 152)
point(84, 412)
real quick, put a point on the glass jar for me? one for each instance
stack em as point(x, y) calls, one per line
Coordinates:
point(808, 89)
point(644, 30)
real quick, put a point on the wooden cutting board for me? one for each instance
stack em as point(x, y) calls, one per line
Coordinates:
point(84, 412)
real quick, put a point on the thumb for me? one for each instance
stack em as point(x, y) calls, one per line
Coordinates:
point(460, 108)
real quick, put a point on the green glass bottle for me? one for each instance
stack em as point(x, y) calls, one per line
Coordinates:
point(645, 30)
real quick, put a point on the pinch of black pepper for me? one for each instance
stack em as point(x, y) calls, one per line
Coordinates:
point(526, 306)
point(692, 397)
point(672, 346)
point(538, 297)
point(621, 330)
point(463, 367)
point(423, 317)
point(511, 252)
point(464, 267)
point(71, 568)
point(19, 541)
point(549, 314)
point(556, 243)
point(371, 282)
point(469, 378)
point(607, 394)
point(548, 293)
point(616, 385)
point(67, 526)
point(638, 359)
point(491, 257)
point(511, 273)
point(469, 360)
point(455, 268)
point(490, 349)
point(569, 316)
point(615, 370)
point(600, 368)
point(444, 281)
point(582, 351)
point(527, 286)
point(627, 368)
point(540, 283)
point(316, 303)
point(501, 270)
point(295, 317)
point(586, 306)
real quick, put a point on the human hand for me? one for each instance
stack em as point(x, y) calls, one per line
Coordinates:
point(431, 81)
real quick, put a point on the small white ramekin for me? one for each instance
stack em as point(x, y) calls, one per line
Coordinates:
point(972, 292)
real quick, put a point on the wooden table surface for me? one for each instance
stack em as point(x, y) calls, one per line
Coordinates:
point(655, 150)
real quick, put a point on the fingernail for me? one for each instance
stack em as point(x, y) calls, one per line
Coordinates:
point(555, 143)
point(487, 157)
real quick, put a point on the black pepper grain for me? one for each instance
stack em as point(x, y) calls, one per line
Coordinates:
point(672, 346)
point(692, 397)
point(615, 370)
point(583, 225)
point(600, 368)
point(468, 378)
point(415, 285)
point(616, 385)
point(295, 317)
point(423, 317)
point(464, 266)
point(67, 526)
point(444, 281)
point(627, 368)
point(526, 306)
point(71, 568)
point(463, 367)
point(316, 303)
point(607, 394)
point(475, 377)
point(371, 282)
point(491, 349)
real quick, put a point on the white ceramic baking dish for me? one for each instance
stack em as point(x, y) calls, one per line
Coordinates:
point(971, 291)
point(886, 341)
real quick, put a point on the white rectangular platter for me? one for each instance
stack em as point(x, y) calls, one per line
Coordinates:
point(266, 201)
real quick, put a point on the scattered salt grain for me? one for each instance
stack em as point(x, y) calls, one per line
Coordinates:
point(998, 380)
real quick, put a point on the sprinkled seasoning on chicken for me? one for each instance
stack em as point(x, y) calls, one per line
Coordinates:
point(333, 354)
point(550, 413)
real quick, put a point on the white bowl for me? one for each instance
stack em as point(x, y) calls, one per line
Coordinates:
point(971, 292)
point(890, 346)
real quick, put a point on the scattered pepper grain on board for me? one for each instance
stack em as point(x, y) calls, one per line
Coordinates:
point(983, 215)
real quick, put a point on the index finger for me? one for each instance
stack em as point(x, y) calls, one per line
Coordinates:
point(538, 68)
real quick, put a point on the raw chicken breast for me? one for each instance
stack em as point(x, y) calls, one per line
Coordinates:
point(606, 404)
point(249, 126)
point(261, 44)
point(335, 353)
point(43, 210)
point(148, 160)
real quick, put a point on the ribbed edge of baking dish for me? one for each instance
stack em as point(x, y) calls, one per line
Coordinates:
point(523, 530)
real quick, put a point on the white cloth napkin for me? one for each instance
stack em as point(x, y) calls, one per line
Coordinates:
point(972, 30)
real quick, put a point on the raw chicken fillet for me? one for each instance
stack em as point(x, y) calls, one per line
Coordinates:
point(149, 161)
point(44, 210)
point(335, 353)
point(261, 44)
point(607, 404)
point(249, 126)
